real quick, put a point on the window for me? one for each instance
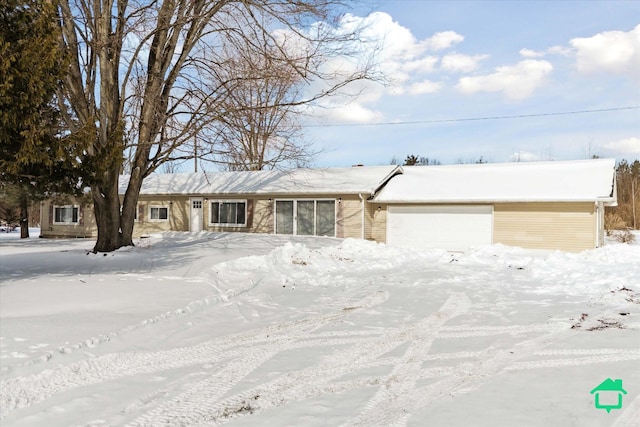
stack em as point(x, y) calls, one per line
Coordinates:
point(229, 213)
point(306, 217)
point(158, 213)
point(65, 214)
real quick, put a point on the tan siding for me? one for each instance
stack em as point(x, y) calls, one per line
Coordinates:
point(178, 215)
point(351, 221)
point(377, 222)
point(563, 226)
point(262, 216)
point(86, 228)
point(348, 216)
point(251, 215)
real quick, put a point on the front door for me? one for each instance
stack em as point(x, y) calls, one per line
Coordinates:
point(196, 215)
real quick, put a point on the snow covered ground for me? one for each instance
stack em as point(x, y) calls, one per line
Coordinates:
point(259, 330)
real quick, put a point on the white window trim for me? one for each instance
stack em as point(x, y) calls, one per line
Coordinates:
point(225, 224)
point(53, 220)
point(159, 207)
point(315, 210)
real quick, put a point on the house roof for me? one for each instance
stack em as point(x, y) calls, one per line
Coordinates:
point(581, 180)
point(356, 180)
point(610, 385)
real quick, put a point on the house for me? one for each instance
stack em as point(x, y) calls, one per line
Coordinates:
point(609, 391)
point(545, 205)
point(539, 205)
point(321, 202)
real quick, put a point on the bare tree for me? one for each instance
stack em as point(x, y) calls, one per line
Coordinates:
point(259, 126)
point(146, 77)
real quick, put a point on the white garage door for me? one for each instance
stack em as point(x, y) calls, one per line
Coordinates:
point(453, 228)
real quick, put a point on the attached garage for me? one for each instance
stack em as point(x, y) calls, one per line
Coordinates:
point(451, 227)
point(538, 205)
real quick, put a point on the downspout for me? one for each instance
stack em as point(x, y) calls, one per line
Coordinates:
point(361, 216)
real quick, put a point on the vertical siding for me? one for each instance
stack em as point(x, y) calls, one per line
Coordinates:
point(563, 226)
point(376, 224)
point(351, 220)
point(262, 216)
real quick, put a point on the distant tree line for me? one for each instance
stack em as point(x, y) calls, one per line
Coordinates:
point(627, 213)
point(415, 160)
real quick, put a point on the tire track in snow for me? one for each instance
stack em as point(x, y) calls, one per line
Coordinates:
point(199, 404)
point(470, 375)
point(555, 363)
point(388, 405)
point(22, 392)
point(630, 416)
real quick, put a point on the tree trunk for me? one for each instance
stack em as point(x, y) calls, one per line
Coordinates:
point(106, 206)
point(24, 217)
point(130, 206)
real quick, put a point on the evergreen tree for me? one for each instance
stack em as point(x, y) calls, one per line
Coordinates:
point(34, 157)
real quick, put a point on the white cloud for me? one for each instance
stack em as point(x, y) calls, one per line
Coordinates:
point(554, 50)
point(458, 63)
point(523, 156)
point(442, 40)
point(529, 53)
point(423, 87)
point(624, 146)
point(399, 56)
point(516, 82)
point(611, 51)
point(424, 65)
point(351, 113)
point(560, 50)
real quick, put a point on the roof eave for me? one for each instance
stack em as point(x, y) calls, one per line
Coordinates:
point(607, 201)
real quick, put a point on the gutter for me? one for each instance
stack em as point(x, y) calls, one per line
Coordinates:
point(487, 201)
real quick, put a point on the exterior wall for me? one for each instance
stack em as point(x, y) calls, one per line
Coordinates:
point(348, 215)
point(178, 215)
point(376, 222)
point(350, 220)
point(260, 214)
point(86, 226)
point(563, 226)
point(263, 216)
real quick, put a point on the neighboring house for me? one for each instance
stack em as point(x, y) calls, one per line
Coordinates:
point(546, 205)
point(609, 394)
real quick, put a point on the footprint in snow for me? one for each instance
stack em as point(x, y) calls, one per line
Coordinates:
point(38, 346)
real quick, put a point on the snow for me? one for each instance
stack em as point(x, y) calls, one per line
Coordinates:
point(353, 180)
point(249, 329)
point(581, 180)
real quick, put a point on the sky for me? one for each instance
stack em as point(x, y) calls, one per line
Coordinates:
point(461, 72)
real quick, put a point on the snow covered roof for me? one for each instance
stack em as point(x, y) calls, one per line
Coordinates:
point(355, 180)
point(581, 180)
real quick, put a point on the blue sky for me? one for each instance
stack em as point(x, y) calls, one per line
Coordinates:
point(451, 60)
